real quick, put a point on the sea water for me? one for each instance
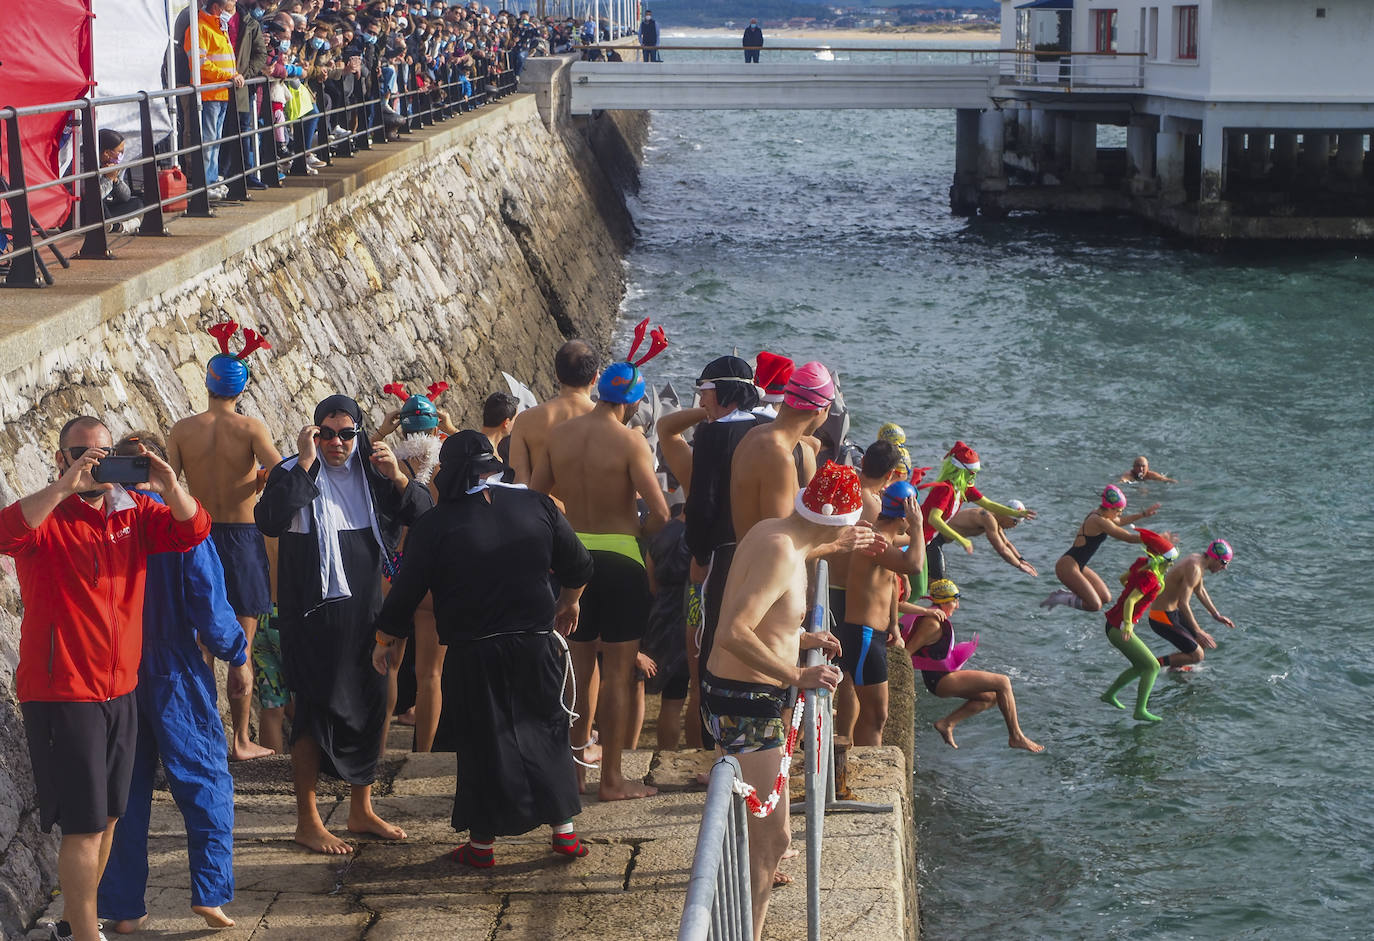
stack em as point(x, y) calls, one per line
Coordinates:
point(1060, 348)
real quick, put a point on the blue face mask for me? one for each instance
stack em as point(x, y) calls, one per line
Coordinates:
point(370, 39)
point(256, 13)
point(320, 44)
point(284, 45)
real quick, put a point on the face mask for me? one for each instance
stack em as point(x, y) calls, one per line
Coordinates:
point(117, 158)
point(298, 36)
point(284, 45)
point(256, 13)
point(224, 21)
point(320, 43)
point(370, 39)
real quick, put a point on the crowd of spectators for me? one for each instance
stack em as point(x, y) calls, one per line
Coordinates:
point(344, 74)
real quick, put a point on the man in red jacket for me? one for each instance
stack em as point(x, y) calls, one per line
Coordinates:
point(80, 550)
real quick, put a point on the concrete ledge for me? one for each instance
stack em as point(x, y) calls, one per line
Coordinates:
point(36, 320)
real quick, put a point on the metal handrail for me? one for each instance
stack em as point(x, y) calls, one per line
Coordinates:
point(922, 49)
point(719, 904)
point(25, 265)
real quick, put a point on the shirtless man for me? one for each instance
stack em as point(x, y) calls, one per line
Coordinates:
point(770, 464)
point(747, 680)
point(575, 366)
point(1172, 618)
point(974, 520)
point(220, 451)
point(598, 468)
point(1140, 470)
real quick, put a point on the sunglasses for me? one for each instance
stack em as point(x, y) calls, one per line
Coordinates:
point(75, 452)
point(344, 434)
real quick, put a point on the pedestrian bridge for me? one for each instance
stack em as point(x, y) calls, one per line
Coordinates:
point(702, 86)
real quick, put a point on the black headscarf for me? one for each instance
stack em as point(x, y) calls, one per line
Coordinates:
point(465, 460)
point(734, 382)
point(342, 403)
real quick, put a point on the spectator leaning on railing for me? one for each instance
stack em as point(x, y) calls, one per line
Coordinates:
point(80, 549)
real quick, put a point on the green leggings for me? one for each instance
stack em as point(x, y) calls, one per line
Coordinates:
point(1143, 666)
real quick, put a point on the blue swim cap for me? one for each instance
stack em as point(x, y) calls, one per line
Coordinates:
point(418, 414)
point(894, 500)
point(226, 375)
point(621, 383)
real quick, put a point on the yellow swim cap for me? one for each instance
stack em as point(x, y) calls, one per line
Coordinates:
point(892, 432)
point(942, 590)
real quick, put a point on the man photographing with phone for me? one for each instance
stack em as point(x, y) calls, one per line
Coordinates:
point(80, 551)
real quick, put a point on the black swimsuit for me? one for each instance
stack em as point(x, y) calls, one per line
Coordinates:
point(1082, 554)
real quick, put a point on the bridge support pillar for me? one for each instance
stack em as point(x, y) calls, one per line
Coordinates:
point(1083, 153)
point(963, 195)
point(1214, 140)
point(1170, 151)
point(991, 145)
point(1285, 156)
point(1063, 140)
point(1025, 130)
point(1042, 138)
point(1140, 158)
point(1316, 157)
point(1350, 155)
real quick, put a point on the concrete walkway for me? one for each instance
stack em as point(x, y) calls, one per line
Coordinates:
point(631, 886)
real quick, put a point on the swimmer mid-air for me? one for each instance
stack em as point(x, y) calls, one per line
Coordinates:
point(1142, 584)
point(950, 491)
point(1172, 618)
point(930, 640)
point(1084, 587)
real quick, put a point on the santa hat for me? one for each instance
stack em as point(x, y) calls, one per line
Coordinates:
point(961, 455)
point(833, 498)
point(1155, 544)
point(771, 375)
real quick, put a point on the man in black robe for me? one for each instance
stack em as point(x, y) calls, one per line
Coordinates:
point(337, 507)
point(485, 553)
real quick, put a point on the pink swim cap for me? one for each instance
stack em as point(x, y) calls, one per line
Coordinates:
point(1113, 498)
point(810, 388)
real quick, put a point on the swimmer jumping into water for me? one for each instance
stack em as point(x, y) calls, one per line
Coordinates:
point(1085, 589)
point(1172, 618)
point(1142, 583)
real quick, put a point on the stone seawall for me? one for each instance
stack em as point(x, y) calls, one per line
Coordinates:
point(471, 249)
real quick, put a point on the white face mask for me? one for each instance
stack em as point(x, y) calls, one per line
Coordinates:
point(224, 21)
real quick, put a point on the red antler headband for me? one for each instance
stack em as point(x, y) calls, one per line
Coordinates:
point(224, 332)
point(436, 389)
point(658, 342)
point(397, 389)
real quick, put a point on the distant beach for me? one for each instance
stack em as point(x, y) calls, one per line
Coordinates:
point(952, 37)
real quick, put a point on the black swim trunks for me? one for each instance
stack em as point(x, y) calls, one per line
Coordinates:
point(83, 760)
point(1170, 626)
point(743, 717)
point(616, 603)
point(244, 557)
point(865, 653)
point(836, 599)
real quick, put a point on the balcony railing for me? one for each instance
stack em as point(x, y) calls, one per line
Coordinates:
point(1073, 71)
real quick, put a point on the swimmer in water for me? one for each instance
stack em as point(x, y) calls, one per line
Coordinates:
point(933, 651)
point(1085, 589)
point(1140, 471)
point(1141, 585)
point(1172, 618)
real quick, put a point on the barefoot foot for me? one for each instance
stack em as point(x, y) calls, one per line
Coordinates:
point(1020, 741)
point(247, 751)
point(1110, 699)
point(1145, 715)
point(214, 916)
point(781, 879)
point(369, 822)
point(946, 732)
point(625, 790)
point(128, 925)
point(320, 840)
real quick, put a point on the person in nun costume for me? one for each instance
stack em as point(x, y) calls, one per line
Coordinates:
point(486, 552)
point(337, 507)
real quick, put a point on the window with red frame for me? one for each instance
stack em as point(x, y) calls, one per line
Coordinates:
point(1104, 28)
point(1187, 32)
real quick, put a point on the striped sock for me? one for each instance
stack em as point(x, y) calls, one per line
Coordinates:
point(474, 854)
point(566, 842)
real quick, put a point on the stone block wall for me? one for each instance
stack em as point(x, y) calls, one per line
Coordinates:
point(481, 256)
